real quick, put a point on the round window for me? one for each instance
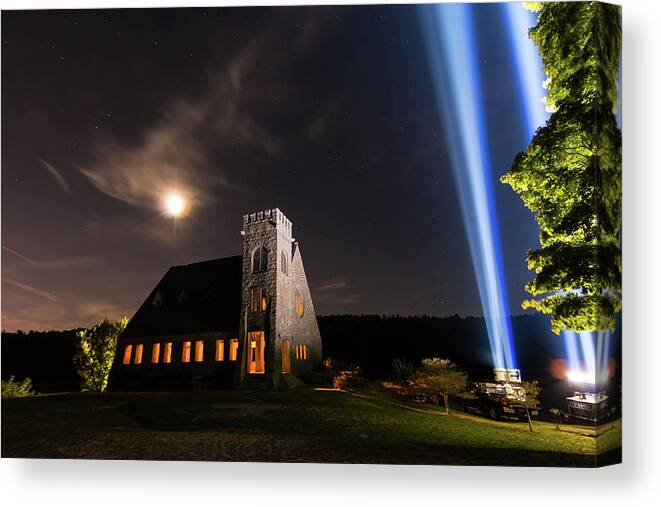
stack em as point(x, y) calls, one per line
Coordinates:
point(298, 300)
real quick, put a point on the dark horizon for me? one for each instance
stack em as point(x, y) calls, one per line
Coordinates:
point(325, 112)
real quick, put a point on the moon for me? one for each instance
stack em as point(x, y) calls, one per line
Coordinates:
point(174, 204)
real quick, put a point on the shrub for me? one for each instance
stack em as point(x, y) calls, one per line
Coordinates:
point(13, 388)
point(404, 372)
point(348, 379)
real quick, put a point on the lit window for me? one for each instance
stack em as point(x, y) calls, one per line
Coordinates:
point(167, 353)
point(256, 352)
point(254, 298)
point(220, 350)
point(234, 348)
point(199, 351)
point(155, 352)
point(127, 354)
point(302, 352)
point(259, 260)
point(263, 300)
point(185, 353)
point(286, 357)
point(298, 300)
point(138, 354)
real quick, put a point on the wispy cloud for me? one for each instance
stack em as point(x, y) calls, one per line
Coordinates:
point(334, 285)
point(70, 262)
point(335, 291)
point(19, 255)
point(61, 263)
point(26, 305)
point(56, 176)
point(45, 315)
point(193, 149)
point(32, 290)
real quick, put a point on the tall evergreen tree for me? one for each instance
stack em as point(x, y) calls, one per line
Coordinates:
point(570, 174)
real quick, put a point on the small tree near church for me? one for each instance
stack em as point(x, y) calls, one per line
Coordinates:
point(438, 378)
point(95, 352)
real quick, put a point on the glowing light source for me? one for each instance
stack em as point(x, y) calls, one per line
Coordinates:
point(174, 204)
point(587, 354)
point(580, 377)
point(453, 62)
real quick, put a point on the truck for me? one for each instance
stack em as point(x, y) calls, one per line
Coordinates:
point(503, 397)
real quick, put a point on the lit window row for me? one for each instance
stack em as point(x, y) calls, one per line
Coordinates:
point(133, 352)
point(302, 351)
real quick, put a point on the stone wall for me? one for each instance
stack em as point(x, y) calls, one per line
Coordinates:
point(304, 330)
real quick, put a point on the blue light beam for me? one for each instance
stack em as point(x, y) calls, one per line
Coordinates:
point(529, 66)
point(453, 57)
point(572, 349)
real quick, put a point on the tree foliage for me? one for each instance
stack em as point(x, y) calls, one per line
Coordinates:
point(95, 352)
point(570, 174)
point(438, 378)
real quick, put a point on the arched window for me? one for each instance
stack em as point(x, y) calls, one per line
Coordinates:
point(157, 302)
point(298, 301)
point(283, 263)
point(259, 260)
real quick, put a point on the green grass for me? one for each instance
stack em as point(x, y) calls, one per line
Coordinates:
point(301, 425)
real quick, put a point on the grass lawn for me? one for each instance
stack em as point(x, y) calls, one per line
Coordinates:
point(300, 425)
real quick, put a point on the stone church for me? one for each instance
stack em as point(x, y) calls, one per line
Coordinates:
point(242, 321)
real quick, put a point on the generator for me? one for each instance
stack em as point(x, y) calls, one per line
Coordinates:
point(588, 406)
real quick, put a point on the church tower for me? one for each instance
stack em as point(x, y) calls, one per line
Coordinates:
point(277, 339)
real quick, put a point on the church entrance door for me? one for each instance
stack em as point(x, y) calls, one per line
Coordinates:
point(256, 352)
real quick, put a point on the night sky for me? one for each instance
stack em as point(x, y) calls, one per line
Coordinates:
point(327, 113)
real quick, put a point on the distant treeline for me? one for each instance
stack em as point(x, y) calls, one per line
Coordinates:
point(44, 356)
point(373, 341)
point(370, 341)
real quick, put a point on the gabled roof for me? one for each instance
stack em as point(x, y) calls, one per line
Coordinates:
point(194, 298)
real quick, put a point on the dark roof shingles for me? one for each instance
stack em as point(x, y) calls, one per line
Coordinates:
point(211, 301)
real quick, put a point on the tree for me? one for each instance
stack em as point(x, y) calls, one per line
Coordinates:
point(440, 377)
point(531, 398)
point(95, 352)
point(570, 174)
